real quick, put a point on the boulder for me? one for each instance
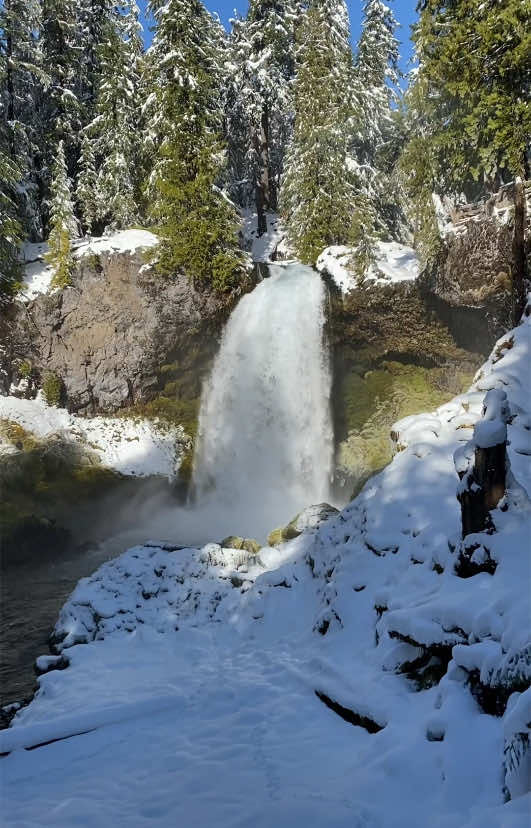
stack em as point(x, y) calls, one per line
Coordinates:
point(309, 518)
point(249, 545)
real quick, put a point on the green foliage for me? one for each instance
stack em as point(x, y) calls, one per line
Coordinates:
point(63, 224)
point(10, 228)
point(52, 388)
point(25, 368)
point(198, 227)
point(317, 195)
point(469, 113)
point(363, 236)
point(197, 224)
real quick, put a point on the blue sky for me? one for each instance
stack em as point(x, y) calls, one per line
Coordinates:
point(404, 12)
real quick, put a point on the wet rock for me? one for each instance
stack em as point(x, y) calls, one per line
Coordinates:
point(250, 545)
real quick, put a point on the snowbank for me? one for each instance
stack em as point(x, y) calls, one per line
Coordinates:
point(394, 263)
point(131, 447)
point(215, 689)
point(262, 248)
point(38, 274)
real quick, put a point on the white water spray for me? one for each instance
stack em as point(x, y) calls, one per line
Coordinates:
point(265, 443)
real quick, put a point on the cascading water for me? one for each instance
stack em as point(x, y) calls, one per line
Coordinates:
point(265, 443)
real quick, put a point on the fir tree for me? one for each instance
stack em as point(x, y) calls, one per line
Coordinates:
point(21, 73)
point(87, 185)
point(317, 194)
point(263, 47)
point(62, 222)
point(470, 114)
point(115, 130)
point(197, 224)
point(376, 121)
point(10, 229)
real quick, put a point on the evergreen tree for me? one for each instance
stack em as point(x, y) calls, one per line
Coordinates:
point(376, 121)
point(20, 74)
point(470, 115)
point(115, 130)
point(62, 58)
point(317, 193)
point(263, 47)
point(198, 225)
point(87, 185)
point(62, 222)
point(10, 229)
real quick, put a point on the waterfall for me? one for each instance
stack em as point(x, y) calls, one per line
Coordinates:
point(265, 443)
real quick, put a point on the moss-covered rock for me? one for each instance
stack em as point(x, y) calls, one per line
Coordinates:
point(247, 544)
point(309, 518)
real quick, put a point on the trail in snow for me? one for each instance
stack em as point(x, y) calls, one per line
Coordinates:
point(265, 445)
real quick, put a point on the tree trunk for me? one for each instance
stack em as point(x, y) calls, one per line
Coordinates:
point(519, 258)
point(264, 186)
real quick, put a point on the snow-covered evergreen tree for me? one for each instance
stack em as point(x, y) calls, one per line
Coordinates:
point(115, 131)
point(317, 194)
point(87, 185)
point(63, 223)
point(261, 110)
point(20, 74)
point(376, 121)
point(197, 223)
point(10, 229)
point(62, 58)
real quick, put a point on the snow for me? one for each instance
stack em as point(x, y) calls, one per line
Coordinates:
point(262, 248)
point(124, 241)
point(394, 262)
point(38, 274)
point(190, 698)
point(129, 446)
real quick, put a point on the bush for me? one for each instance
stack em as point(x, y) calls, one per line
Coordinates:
point(52, 388)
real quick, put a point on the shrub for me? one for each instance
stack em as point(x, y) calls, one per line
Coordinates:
point(52, 388)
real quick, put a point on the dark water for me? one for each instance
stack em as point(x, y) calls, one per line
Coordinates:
point(35, 584)
point(31, 594)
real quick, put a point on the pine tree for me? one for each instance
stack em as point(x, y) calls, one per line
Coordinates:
point(62, 58)
point(198, 225)
point(317, 194)
point(471, 118)
point(10, 229)
point(87, 185)
point(115, 131)
point(376, 121)
point(263, 47)
point(20, 74)
point(62, 222)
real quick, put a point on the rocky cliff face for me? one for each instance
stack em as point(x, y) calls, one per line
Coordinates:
point(471, 281)
point(119, 335)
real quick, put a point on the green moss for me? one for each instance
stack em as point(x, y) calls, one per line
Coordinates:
point(169, 410)
point(369, 404)
point(52, 388)
point(17, 435)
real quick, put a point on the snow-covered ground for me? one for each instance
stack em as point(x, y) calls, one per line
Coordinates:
point(194, 699)
point(38, 274)
point(129, 446)
point(262, 248)
point(394, 262)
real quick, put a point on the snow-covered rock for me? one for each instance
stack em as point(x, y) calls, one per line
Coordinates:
point(38, 274)
point(200, 693)
point(393, 263)
point(130, 446)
